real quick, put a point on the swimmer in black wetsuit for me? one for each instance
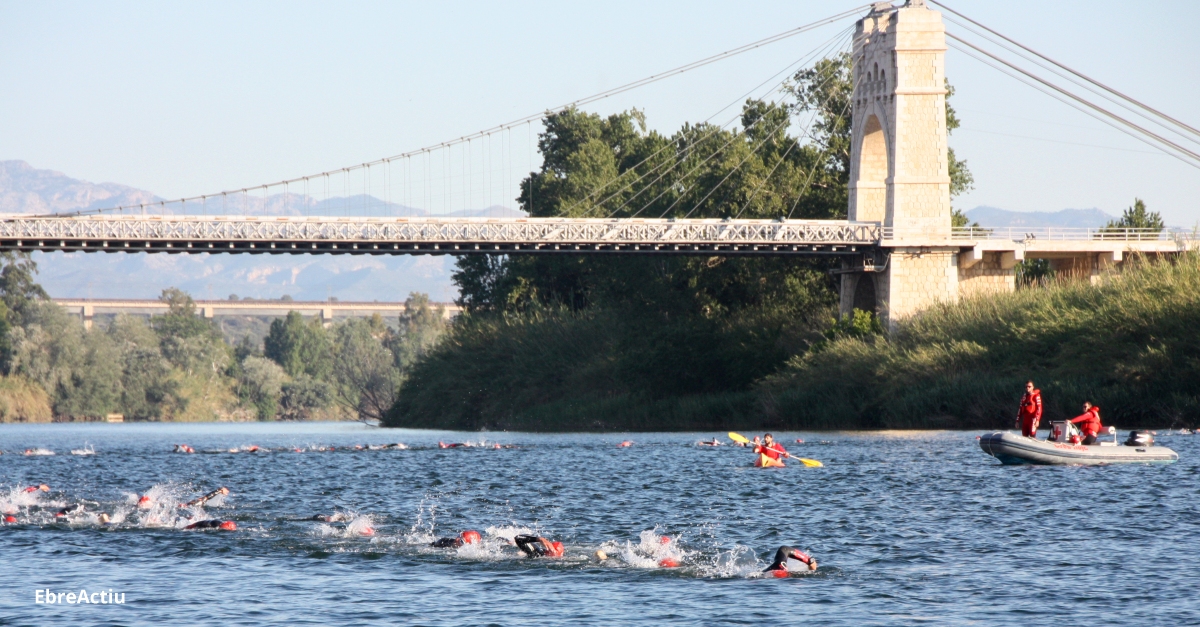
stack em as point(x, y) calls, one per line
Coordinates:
point(537, 546)
point(336, 517)
point(469, 536)
point(779, 566)
point(227, 525)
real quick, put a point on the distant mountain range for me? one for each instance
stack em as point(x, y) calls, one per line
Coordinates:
point(28, 190)
point(1080, 218)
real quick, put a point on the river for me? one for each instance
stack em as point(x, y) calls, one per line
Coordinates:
point(908, 528)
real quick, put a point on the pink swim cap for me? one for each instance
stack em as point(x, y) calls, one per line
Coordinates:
point(471, 536)
point(228, 525)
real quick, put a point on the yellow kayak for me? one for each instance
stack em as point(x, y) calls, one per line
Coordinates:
point(766, 462)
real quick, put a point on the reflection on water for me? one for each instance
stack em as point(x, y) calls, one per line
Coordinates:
point(334, 525)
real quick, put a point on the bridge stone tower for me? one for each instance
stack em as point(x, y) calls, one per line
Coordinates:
point(898, 166)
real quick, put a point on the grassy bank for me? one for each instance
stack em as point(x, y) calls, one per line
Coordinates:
point(1130, 344)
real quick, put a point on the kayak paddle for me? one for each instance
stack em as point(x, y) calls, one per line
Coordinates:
point(811, 463)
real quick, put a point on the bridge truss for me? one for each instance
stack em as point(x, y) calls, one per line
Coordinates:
point(414, 236)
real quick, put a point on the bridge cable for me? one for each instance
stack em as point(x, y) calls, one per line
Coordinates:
point(806, 133)
point(1124, 105)
point(687, 174)
point(530, 118)
point(1119, 94)
point(787, 70)
point(713, 131)
point(787, 121)
point(1144, 133)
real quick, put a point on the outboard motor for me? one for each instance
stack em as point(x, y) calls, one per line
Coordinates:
point(1140, 438)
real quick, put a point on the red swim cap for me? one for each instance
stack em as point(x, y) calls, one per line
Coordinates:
point(144, 500)
point(781, 573)
point(668, 562)
point(471, 536)
point(664, 539)
point(228, 525)
point(558, 548)
point(367, 531)
point(10, 519)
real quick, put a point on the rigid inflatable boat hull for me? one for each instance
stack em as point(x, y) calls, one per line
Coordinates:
point(1012, 449)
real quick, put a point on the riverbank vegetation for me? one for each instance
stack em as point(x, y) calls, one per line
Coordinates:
point(179, 367)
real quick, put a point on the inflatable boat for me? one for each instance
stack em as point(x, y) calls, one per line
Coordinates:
point(1011, 448)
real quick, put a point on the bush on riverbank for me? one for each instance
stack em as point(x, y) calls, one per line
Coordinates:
point(1130, 345)
point(23, 401)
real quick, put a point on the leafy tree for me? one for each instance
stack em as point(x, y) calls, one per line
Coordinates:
point(299, 347)
point(188, 341)
point(261, 385)
point(365, 377)
point(148, 389)
point(1137, 217)
point(17, 285)
point(303, 396)
point(421, 326)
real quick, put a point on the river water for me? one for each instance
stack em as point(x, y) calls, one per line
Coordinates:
point(908, 527)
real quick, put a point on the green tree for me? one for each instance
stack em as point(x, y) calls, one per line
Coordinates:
point(1137, 217)
point(148, 389)
point(421, 326)
point(261, 384)
point(17, 285)
point(303, 396)
point(366, 379)
point(299, 347)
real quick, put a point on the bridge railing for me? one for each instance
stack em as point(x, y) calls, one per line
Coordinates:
point(1054, 233)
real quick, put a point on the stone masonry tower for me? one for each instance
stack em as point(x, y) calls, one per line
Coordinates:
point(898, 167)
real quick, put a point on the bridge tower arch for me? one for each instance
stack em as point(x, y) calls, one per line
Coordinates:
point(899, 174)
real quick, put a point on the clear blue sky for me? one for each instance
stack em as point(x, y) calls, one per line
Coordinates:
point(189, 98)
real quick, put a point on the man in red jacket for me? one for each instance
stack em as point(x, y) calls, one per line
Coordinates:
point(1089, 423)
point(1030, 412)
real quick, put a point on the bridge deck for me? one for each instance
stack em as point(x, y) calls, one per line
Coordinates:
point(181, 234)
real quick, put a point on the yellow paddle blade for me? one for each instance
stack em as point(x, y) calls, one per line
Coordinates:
point(811, 463)
point(737, 437)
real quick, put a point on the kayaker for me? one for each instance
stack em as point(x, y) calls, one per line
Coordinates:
point(1089, 423)
point(769, 447)
point(537, 546)
point(779, 567)
point(1030, 412)
point(469, 536)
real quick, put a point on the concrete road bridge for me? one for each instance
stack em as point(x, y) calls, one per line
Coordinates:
point(89, 308)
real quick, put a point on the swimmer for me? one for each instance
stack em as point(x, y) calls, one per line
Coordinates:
point(68, 510)
point(337, 517)
point(714, 442)
point(206, 498)
point(469, 536)
point(451, 445)
point(145, 502)
point(779, 567)
point(227, 525)
point(537, 546)
point(34, 488)
point(183, 448)
point(625, 444)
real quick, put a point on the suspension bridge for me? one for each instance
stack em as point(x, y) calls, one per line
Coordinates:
point(899, 251)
